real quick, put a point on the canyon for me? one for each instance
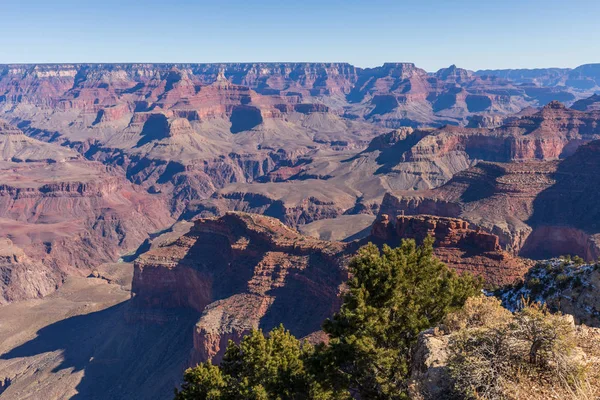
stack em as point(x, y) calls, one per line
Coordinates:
point(179, 206)
point(62, 215)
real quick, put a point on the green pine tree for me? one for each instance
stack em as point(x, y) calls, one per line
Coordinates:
point(392, 296)
point(259, 368)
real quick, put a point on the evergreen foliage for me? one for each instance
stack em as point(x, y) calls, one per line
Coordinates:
point(393, 296)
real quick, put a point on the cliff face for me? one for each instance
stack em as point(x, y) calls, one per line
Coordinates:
point(458, 245)
point(71, 227)
point(396, 94)
point(401, 83)
point(239, 272)
point(21, 277)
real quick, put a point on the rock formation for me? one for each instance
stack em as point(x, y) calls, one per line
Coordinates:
point(21, 277)
point(538, 209)
point(589, 104)
point(456, 244)
point(583, 77)
point(241, 272)
point(324, 185)
point(299, 142)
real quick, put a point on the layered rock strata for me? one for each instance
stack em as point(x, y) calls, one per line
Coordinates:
point(459, 246)
point(538, 209)
point(241, 272)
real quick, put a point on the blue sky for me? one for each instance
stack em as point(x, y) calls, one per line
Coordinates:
point(431, 33)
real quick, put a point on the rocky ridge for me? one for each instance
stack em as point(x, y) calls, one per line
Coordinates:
point(241, 272)
point(325, 185)
point(538, 209)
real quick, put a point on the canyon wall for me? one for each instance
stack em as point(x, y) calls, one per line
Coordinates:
point(241, 272)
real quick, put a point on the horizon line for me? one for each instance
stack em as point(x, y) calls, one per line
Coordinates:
point(286, 62)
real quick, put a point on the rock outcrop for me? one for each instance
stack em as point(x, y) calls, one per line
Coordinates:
point(21, 277)
point(459, 246)
point(432, 376)
point(241, 272)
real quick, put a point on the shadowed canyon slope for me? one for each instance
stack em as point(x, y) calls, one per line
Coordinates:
point(239, 272)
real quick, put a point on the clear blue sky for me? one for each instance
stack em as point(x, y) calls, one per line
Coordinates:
point(473, 34)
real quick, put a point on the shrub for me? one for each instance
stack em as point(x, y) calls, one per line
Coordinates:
point(478, 312)
point(578, 260)
point(259, 368)
point(562, 281)
point(534, 285)
point(516, 357)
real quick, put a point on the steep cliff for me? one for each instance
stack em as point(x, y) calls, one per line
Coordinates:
point(539, 209)
point(239, 272)
point(21, 277)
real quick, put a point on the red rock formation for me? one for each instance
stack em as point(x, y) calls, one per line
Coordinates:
point(21, 277)
point(114, 113)
point(460, 247)
point(242, 271)
point(409, 159)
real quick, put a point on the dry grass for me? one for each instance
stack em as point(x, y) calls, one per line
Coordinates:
point(530, 355)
